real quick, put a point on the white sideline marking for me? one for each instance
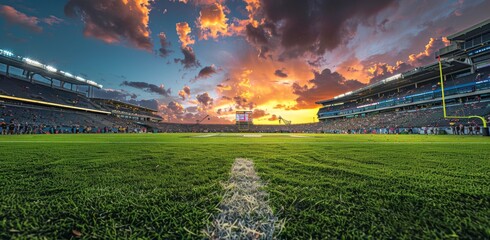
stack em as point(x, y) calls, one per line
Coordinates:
point(298, 136)
point(252, 135)
point(205, 136)
point(244, 210)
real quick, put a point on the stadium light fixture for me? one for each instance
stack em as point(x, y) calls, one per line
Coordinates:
point(33, 62)
point(51, 69)
point(80, 79)
point(6, 53)
point(67, 74)
point(394, 77)
point(343, 95)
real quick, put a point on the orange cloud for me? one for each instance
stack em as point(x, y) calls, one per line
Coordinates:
point(427, 55)
point(184, 31)
point(239, 26)
point(185, 92)
point(252, 84)
point(16, 17)
point(223, 87)
point(212, 21)
point(354, 69)
point(252, 7)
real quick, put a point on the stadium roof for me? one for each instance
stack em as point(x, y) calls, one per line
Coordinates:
point(409, 77)
point(471, 31)
point(9, 58)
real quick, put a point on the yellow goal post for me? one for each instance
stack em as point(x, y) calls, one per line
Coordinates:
point(485, 128)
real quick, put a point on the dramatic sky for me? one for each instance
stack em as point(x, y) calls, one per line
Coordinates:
point(192, 58)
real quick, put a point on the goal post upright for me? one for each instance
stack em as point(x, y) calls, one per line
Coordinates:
point(484, 121)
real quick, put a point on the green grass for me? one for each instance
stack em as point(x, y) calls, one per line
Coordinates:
point(168, 185)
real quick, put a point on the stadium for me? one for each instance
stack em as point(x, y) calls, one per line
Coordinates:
point(407, 102)
point(403, 157)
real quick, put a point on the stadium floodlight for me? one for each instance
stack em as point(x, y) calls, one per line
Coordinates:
point(343, 95)
point(394, 77)
point(485, 128)
point(51, 69)
point(67, 74)
point(368, 105)
point(6, 53)
point(33, 62)
point(80, 79)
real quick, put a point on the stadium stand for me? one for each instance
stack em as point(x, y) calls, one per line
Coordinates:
point(18, 87)
point(127, 110)
point(409, 102)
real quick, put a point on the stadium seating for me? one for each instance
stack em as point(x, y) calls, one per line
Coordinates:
point(38, 91)
point(405, 94)
point(42, 119)
point(412, 119)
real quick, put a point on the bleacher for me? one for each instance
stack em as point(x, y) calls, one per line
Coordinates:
point(418, 118)
point(428, 90)
point(36, 91)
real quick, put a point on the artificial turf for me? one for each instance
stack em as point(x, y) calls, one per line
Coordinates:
point(169, 185)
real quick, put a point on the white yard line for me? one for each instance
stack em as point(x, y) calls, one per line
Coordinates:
point(298, 136)
point(252, 135)
point(244, 210)
point(205, 136)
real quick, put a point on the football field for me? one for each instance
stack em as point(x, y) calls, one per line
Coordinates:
point(171, 186)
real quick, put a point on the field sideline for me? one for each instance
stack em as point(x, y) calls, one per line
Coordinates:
point(169, 185)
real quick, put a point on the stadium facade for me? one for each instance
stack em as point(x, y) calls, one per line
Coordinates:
point(465, 67)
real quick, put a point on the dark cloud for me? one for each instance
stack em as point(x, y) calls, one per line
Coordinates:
point(382, 25)
point(175, 108)
point(114, 94)
point(273, 118)
point(243, 103)
point(185, 92)
point(325, 85)
point(114, 21)
point(151, 103)
point(148, 87)
point(258, 113)
point(256, 35)
point(15, 17)
point(281, 73)
point(287, 108)
point(122, 96)
point(192, 109)
point(189, 60)
point(164, 50)
point(206, 72)
point(52, 20)
point(315, 26)
point(265, 53)
point(205, 99)
point(279, 106)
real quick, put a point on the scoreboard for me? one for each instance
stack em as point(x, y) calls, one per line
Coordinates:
point(244, 117)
